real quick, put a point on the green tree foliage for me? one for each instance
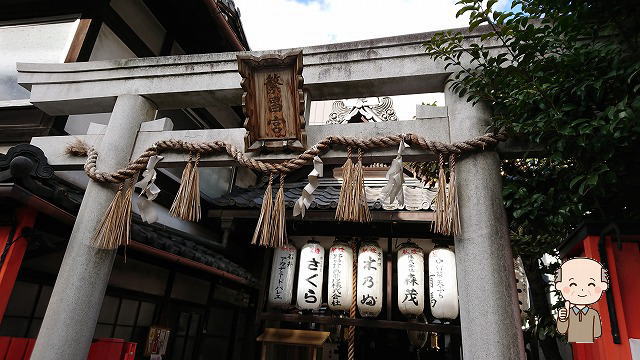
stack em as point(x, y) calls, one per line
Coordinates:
point(565, 77)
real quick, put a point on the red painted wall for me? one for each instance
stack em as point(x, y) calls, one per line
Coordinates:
point(628, 267)
point(624, 270)
point(25, 217)
point(12, 348)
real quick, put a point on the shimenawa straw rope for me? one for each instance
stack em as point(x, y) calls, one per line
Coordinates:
point(352, 204)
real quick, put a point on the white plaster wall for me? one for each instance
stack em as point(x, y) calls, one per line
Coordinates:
point(137, 15)
point(108, 46)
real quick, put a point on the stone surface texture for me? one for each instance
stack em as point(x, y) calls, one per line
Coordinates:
point(489, 313)
point(70, 320)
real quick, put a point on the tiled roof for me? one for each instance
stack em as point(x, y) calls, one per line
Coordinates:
point(174, 243)
point(416, 195)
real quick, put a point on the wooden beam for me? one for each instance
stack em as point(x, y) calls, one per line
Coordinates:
point(172, 258)
point(374, 323)
point(79, 39)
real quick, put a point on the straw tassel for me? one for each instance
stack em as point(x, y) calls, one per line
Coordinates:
point(263, 228)
point(453, 212)
point(279, 228)
point(114, 229)
point(439, 225)
point(352, 205)
point(186, 205)
point(345, 201)
point(77, 148)
point(360, 207)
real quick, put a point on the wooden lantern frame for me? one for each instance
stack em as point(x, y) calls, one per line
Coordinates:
point(256, 139)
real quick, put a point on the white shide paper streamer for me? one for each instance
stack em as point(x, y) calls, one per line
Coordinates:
point(304, 201)
point(393, 189)
point(149, 190)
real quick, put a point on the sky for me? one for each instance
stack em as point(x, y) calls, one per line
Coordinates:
point(281, 24)
point(274, 24)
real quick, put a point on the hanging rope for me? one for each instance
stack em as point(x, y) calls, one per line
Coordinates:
point(80, 148)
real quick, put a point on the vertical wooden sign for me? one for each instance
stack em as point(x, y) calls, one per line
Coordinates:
point(273, 101)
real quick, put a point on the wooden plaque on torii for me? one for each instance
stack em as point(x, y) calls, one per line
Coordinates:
point(273, 101)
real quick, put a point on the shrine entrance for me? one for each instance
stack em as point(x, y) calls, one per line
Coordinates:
point(276, 90)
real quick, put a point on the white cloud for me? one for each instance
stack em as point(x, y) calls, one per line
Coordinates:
point(276, 24)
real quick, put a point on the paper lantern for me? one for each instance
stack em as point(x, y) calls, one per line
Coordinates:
point(410, 280)
point(283, 268)
point(340, 287)
point(310, 276)
point(369, 289)
point(443, 285)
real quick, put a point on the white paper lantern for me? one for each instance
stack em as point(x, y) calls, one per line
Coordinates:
point(340, 278)
point(283, 268)
point(410, 280)
point(310, 276)
point(443, 284)
point(369, 287)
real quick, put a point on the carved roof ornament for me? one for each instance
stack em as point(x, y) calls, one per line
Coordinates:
point(382, 111)
point(273, 101)
point(25, 160)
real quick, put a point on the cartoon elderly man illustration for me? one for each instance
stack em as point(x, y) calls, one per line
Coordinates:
point(581, 281)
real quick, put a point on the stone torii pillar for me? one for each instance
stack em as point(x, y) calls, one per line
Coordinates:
point(72, 313)
point(489, 313)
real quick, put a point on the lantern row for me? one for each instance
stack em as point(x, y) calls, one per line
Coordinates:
point(443, 291)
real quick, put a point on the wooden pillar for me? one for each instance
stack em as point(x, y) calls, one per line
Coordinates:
point(12, 247)
point(70, 320)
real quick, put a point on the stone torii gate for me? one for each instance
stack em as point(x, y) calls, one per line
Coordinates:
point(134, 89)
